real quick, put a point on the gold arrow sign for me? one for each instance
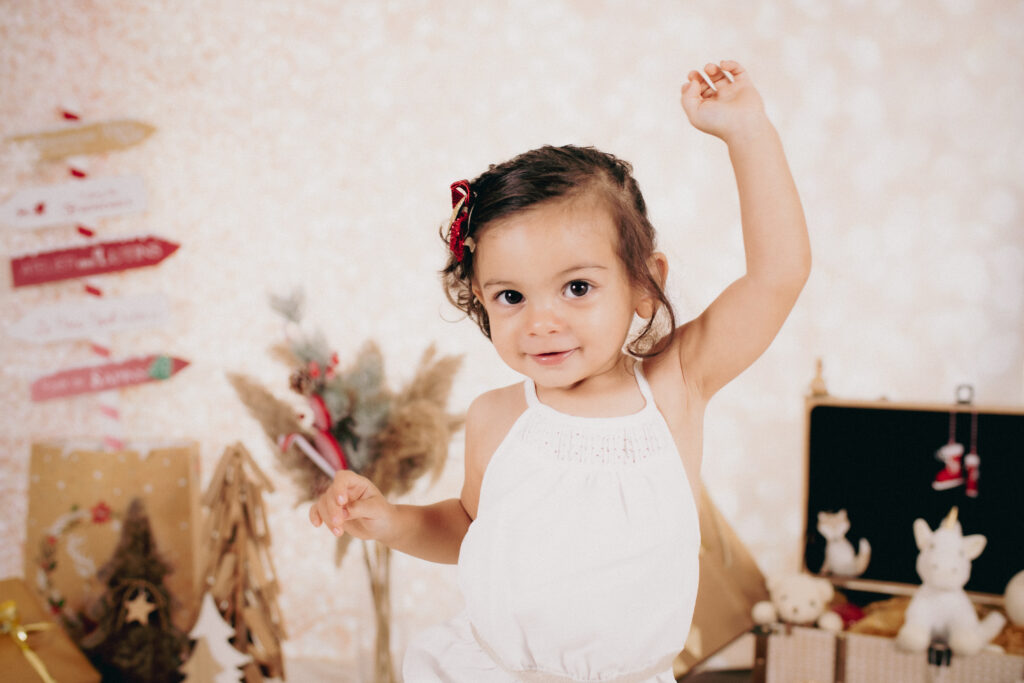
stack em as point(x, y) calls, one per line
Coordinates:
point(94, 138)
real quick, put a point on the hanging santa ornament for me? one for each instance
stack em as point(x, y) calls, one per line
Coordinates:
point(951, 453)
point(972, 463)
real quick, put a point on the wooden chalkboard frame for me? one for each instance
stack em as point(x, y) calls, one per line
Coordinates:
point(877, 460)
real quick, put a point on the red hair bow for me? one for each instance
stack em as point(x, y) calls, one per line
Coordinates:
point(457, 228)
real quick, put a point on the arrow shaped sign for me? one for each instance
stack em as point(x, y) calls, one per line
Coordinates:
point(76, 201)
point(92, 139)
point(90, 318)
point(93, 259)
point(105, 377)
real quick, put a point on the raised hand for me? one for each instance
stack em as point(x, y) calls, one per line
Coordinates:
point(723, 101)
point(353, 505)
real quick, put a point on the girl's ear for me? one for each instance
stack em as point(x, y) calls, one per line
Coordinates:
point(647, 304)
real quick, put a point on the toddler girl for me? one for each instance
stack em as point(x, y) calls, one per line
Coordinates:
point(576, 532)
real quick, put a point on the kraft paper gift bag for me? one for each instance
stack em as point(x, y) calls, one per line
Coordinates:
point(730, 585)
point(77, 494)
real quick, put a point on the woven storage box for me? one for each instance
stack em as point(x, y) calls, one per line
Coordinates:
point(803, 655)
point(877, 460)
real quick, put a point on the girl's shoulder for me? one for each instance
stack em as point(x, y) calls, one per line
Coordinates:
point(496, 410)
point(488, 421)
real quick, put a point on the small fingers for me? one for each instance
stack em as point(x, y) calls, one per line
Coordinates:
point(720, 72)
point(691, 94)
point(707, 83)
point(318, 517)
point(712, 77)
point(348, 486)
point(732, 68)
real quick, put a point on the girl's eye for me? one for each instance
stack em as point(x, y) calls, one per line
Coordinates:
point(577, 288)
point(510, 297)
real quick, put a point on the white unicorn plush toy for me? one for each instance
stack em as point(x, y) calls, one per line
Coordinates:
point(940, 608)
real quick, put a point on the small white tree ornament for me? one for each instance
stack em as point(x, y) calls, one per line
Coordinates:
point(214, 659)
point(940, 609)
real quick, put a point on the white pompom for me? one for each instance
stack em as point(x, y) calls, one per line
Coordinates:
point(1014, 596)
point(764, 613)
point(830, 621)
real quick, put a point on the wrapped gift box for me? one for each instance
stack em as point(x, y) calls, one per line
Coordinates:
point(76, 495)
point(63, 661)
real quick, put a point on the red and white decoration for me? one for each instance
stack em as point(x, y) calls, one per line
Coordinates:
point(95, 378)
point(95, 258)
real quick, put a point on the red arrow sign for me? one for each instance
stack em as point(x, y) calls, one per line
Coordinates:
point(105, 377)
point(92, 259)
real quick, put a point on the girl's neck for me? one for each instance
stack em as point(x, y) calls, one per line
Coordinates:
point(611, 393)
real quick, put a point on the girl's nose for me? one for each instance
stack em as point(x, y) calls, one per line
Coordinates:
point(543, 319)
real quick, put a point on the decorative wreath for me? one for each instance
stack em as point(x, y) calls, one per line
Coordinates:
point(46, 560)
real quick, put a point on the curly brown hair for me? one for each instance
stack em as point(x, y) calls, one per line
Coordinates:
point(563, 173)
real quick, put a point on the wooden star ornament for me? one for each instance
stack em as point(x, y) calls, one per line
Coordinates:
point(139, 608)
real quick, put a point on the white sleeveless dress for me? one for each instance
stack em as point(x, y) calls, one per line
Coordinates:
point(582, 562)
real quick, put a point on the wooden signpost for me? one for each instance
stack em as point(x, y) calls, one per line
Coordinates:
point(77, 201)
point(94, 138)
point(91, 318)
point(92, 259)
point(94, 378)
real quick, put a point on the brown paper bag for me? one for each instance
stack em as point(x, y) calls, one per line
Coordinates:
point(63, 661)
point(730, 584)
point(76, 495)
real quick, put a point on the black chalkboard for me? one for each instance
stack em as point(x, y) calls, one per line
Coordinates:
point(878, 461)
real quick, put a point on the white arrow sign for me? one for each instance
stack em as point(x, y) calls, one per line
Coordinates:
point(88, 319)
point(76, 201)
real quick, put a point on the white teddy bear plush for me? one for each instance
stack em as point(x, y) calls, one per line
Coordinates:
point(799, 599)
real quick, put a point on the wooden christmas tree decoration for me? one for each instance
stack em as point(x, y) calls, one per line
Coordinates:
point(239, 572)
point(133, 639)
point(203, 667)
point(214, 659)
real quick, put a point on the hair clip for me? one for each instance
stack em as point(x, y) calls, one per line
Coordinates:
point(458, 224)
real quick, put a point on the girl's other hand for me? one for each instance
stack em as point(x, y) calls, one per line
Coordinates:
point(353, 505)
point(729, 109)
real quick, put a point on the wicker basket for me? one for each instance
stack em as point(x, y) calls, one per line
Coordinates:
point(802, 655)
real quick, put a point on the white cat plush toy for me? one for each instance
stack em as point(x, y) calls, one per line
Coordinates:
point(840, 559)
point(940, 608)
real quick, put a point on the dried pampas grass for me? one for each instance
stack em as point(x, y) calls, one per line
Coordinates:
point(278, 420)
point(415, 438)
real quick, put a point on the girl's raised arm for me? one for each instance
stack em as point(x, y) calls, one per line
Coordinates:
point(740, 324)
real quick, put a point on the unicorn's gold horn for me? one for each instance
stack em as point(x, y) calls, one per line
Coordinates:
point(950, 520)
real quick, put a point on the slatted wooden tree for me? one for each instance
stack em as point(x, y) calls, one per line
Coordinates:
point(239, 572)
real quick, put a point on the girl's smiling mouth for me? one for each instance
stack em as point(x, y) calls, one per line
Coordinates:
point(551, 357)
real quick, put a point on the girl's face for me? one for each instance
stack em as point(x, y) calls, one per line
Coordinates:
point(557, 296)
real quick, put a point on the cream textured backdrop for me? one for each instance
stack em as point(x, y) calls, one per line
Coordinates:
point(310, 143)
